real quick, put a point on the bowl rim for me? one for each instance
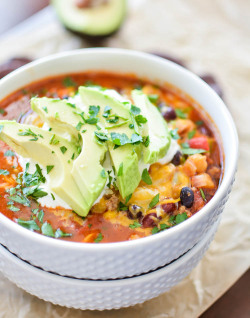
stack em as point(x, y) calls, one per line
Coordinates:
point(196, 218)
point(158, 272)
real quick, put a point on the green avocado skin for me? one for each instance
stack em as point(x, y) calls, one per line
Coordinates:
point(156, 128)
point(102, 20)
point(86, 169)
point(46, 154)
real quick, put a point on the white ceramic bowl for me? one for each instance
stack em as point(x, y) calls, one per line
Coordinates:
point(124, 259)
point(87, 294)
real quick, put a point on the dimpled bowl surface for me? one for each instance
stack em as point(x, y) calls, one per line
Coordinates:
point(87, 294)
point(124, 259)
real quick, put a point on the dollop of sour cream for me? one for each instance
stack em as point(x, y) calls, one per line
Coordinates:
point(47, 200)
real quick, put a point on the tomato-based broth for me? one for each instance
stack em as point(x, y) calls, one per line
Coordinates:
point(168, 193)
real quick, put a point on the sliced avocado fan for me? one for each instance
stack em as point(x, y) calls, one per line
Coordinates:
point(86, 170)
point(96, 21)
point(47, 149)
point(115, 117)
point(155, 127)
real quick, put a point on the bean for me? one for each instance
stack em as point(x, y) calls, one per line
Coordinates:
point(168, 208)
point(177, 158)
point(134, 211)
point(149, 220)
point(187, 197)
point(169, 114)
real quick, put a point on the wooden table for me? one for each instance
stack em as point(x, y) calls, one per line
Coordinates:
point(235, 303)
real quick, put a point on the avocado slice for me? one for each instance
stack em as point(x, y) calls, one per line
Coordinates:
point(100, 20)
point(124, 158)
point(87, 170)
point(156, 128)
point(47, 149)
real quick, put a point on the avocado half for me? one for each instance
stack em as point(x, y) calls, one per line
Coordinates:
point(96, 21)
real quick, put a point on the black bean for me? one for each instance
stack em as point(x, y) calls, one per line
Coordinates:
point(134, 211)
point(168, 208)
point(149, 220)
point(187, 197)
point(177, 158)
point(169, 114)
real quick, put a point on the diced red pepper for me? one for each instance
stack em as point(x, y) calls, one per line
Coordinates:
point(199, 143)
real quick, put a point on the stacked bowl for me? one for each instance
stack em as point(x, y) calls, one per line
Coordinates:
point(114, 275)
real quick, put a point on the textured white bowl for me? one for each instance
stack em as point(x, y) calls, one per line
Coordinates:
point(124, 259)
point(87, 294)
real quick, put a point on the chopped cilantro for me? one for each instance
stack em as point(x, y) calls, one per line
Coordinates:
point(155, 230)
point(146, 141)
point(71, 105)
point(101, 136)
point(83, 131)
point(146, 177)
point(122, 207)
point(191, 151)
point(79, 126)
point(103, 173)
point(4, 172)
point(92, 120)
point(49, 168)
point(128, 198)
point(45, 109)
point(40, 216)
point(199, 122)
point(154, 201)
point(2, 111)
point(9, 153)
point(63, 149)
point(191, 134)
point(47, 230)
point(203, 195)
point(30, 224)
point(164, 226)
point(99, 238)
point(69, 82)
point(53, 140)
point(94, 110)
point(180, 113)
point(135, 139)
point(131, 126)
point(119, 139)
point(89, 225)
point(13, 208)
point(140, 120)
point(59, 233)
point(174, 134)
point(53, 197)
point(106, 112)
point(180, 218)
point(19, 198)
point(135, 110)
point(135, 225)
